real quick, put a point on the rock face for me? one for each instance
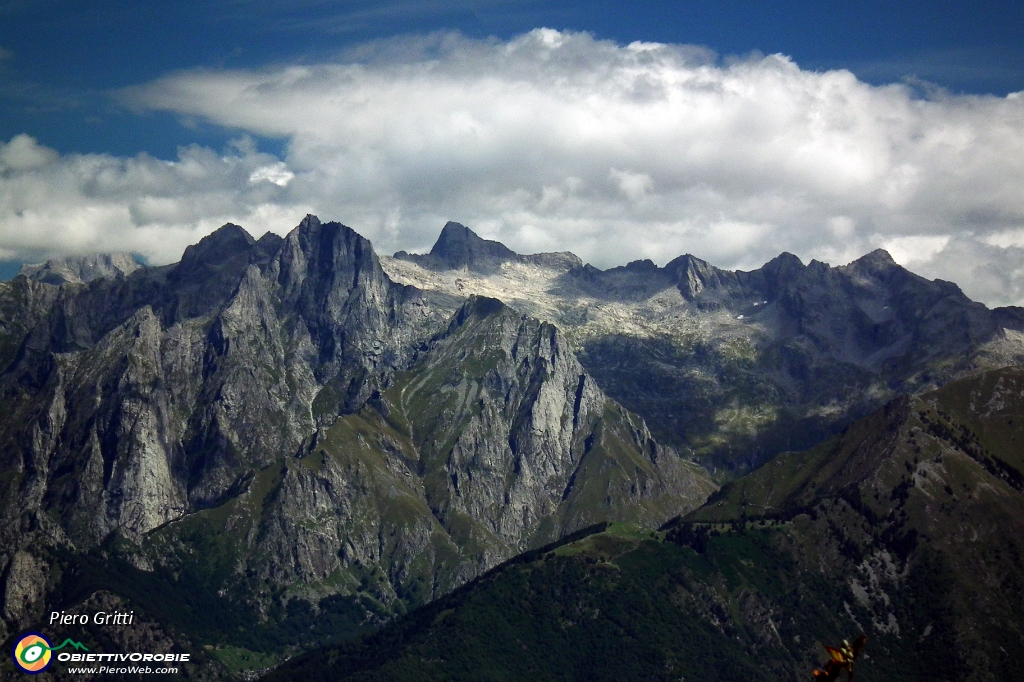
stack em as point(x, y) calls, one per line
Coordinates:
point(738, 366)
point(513, 436)
point(327, 430)
point(146, 397)
point(493, 440)
point(23, 586)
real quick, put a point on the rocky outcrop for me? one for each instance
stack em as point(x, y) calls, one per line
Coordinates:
point(23, 587)
point(228, 362)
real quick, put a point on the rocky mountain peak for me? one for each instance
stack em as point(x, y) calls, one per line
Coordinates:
point(876, 263)
point(558, 260)
point(693, 275)
point(217, 246)
point(880, 256)
point(644, 265)
point(458, 246)
point(784, 267)
point(327, 256)
point(208, 273)
point(269, 244)
point(309, 222)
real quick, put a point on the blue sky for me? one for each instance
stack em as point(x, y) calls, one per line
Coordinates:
point(618, 130)
point(63, 58)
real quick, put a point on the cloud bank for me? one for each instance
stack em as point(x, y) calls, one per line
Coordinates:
point(52, 205)
point(556, 140)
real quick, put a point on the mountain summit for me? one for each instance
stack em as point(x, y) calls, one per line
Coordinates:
point(459, 247)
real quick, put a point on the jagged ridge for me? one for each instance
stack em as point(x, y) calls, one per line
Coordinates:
point(738, 366)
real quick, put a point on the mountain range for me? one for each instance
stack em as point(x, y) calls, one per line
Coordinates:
point(281, 443)
point(734, 367)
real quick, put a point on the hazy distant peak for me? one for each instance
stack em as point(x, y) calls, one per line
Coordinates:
point(81, 269)
point(644, 265)
point(228, 232)
point(458, 247)
point(693, 275)
point(563, 260)
point(451, 234)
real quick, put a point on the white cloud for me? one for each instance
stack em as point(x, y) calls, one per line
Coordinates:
point(53, 205)
point(915, 249)
point(22, 153)
point(1005, 238)
point(633, 185)
point(556, 140)
point(276, 173)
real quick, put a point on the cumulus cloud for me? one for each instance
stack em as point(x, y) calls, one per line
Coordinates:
point(556, 140)
point(58, 205)
point(276, 173)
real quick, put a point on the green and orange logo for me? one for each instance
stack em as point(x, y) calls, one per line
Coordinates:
point(32, 653)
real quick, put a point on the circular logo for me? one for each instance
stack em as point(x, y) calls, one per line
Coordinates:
point(32, 653)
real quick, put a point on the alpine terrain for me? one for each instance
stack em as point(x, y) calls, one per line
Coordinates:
point(474, 464)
